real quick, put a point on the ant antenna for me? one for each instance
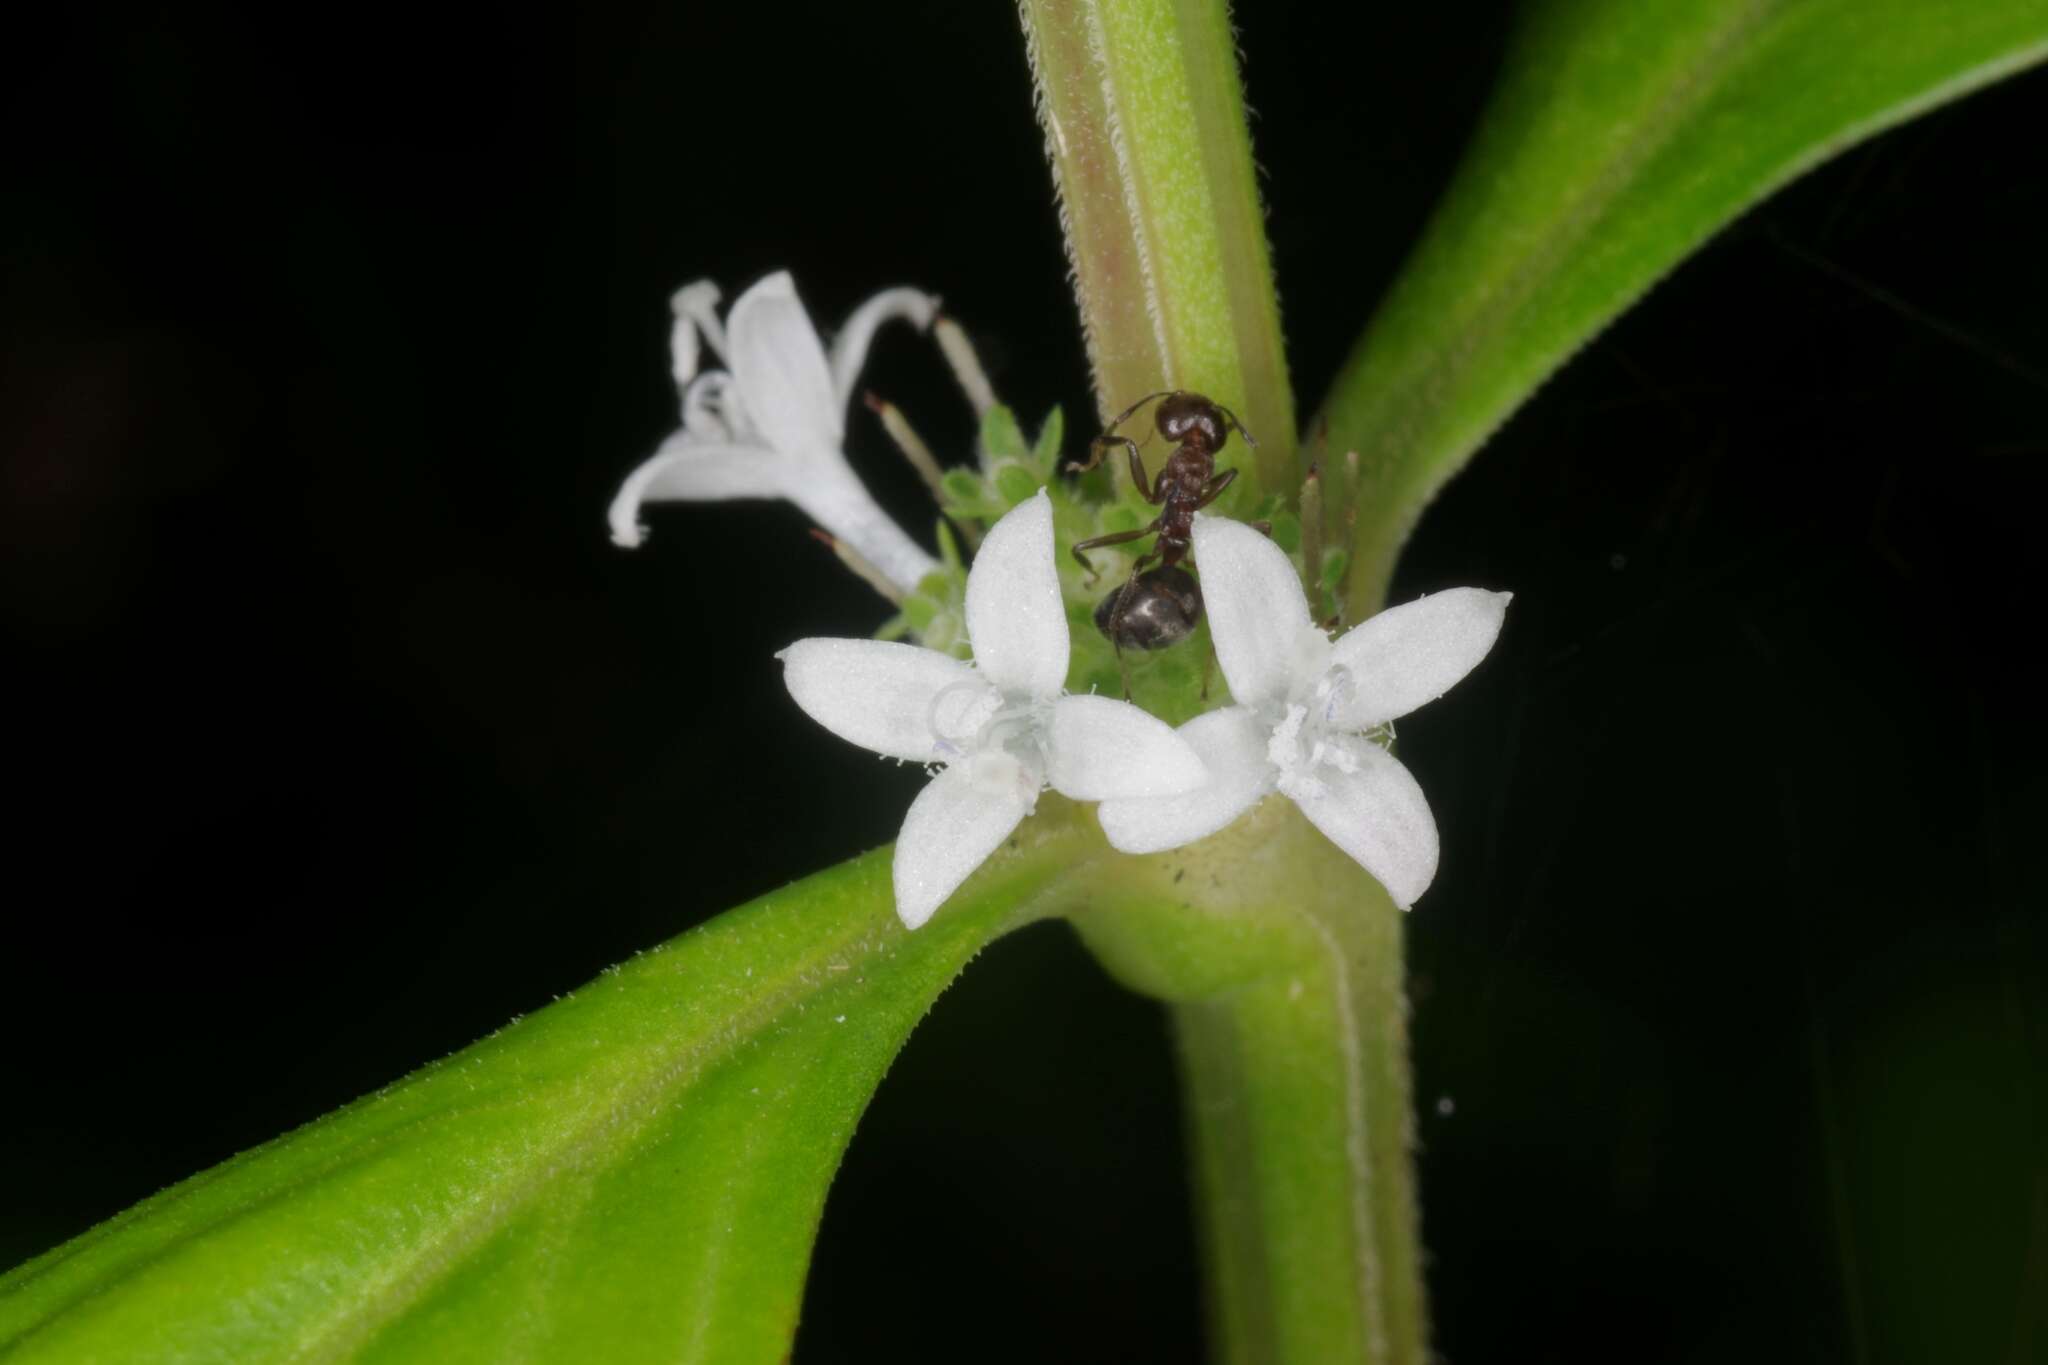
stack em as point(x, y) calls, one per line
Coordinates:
point(1238, 426)
point(1125, 415)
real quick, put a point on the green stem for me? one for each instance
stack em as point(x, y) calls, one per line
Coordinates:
point(1145, 127)
point(1280, 959)
point(1281, 963)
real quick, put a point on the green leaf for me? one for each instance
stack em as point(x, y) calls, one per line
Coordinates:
point(1622, 136)
point(1045, 454)
point(919, 610)
point(1286, 531)
point(1001, 438)
point(1015, 483)
point(964, 486)
point(634, 1173)
point(1145, 125)
point(949, 556)
point(967, 496)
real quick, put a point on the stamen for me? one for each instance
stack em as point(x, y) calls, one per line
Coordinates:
point(920, 456)
point(1335, 691)
point(966, 365)
point(864, 571)
point(1312, 534)
point(908, 441)
point(1351, 496)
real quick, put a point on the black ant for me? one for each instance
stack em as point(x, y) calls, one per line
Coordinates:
point(1160, 607)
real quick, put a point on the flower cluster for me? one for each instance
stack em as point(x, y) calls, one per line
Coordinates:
point(1002, 727)
point(1305, 706)
point(1308, 716)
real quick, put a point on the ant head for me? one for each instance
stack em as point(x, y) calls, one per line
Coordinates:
point(1190, 419)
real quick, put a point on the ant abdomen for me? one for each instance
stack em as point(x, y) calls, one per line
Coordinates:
point(1159, 607)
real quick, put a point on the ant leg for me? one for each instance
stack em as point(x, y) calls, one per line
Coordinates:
point(1208, 666)
point(1114, 538)
point(1109, 437)
point(1148, 487)
point(1213, 489)
point(1100, 444)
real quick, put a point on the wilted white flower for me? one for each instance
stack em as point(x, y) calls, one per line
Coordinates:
point(1302, 706)
point(1000, 726)
point(771, 424)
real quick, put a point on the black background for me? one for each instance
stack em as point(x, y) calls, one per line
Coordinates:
point(338, 733)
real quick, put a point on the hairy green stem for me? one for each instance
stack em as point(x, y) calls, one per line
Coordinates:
point(1279, 958)
point(1145, 127)
point(1281, 963)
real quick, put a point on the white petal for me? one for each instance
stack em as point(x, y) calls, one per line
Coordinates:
point(952, 827)
point(696, 303)
point(779, 364)
point(1412, 654)
point(1376, 814)
point(850, 347)
point(899, 700)
point(1014, 617)
point(1232, 745)
point(1102, 749)
point(682, 352)
point(828, 490)
point(1257, 613)
point(690, 470)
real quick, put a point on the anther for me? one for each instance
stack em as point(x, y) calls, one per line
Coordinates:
point(1312, 534)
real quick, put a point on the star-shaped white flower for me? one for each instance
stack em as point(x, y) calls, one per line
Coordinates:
point(1000, 725)
point(771, 424)
point(1303, 703)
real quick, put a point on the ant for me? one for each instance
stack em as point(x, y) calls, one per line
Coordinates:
point(1160, 606)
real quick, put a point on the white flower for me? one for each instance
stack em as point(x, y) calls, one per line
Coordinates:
point(1000, 725)
point(1303, 703)
point(771, 424)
